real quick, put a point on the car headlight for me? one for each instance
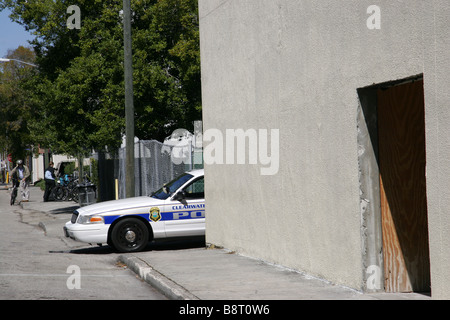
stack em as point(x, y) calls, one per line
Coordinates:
point(90, 219)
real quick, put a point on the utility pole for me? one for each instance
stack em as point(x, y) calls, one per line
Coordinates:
point(129, 107)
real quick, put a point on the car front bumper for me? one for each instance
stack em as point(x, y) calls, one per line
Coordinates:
point(95, 233)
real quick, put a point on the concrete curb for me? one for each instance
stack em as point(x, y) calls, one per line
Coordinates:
point(160, 282)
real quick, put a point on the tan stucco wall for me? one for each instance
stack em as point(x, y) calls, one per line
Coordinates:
point(295, 65)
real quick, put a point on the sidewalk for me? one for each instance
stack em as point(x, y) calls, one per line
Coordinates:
point(199, 273)
point(54, 207)
point(217, 274)
point(36, 201)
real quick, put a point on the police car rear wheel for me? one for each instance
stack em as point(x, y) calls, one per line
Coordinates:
point(130, 235)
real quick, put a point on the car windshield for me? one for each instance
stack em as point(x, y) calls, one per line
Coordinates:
point(171, 187)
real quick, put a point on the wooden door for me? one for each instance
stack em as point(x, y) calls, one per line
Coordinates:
point(401, 130)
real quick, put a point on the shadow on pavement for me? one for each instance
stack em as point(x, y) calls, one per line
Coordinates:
point(160, 245)
point(64, 210)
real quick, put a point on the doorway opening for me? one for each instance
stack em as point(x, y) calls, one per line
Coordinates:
point(392, 164)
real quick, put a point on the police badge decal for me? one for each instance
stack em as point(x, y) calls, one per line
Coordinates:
point(155, 214)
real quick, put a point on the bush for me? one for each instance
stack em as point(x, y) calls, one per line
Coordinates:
point(40, 183)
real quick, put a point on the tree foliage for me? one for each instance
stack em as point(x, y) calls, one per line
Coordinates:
point(77, 95)
point(15, 109)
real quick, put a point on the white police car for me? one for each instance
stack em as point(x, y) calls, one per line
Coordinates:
point(175, 210)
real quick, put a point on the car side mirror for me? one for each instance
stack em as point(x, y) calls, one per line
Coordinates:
point(180, 196)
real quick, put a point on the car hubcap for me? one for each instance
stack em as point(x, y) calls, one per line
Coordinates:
point(130, 236)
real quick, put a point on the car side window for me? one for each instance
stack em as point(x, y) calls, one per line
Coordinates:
point(195, 190)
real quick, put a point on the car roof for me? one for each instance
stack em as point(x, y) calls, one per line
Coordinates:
point(197, 172)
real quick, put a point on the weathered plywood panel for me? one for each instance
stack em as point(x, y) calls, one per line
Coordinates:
point(401, 130)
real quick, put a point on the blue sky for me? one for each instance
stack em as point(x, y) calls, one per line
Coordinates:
point(12, 34)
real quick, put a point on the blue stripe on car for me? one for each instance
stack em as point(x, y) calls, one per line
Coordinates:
point(165, 216)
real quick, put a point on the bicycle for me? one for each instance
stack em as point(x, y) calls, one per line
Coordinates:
point(72, 187)
point(59, 192)
point(16, 184)
point(66, 189)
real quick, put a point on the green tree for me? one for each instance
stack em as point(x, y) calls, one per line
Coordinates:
point(77, 96)
point(167, 68)
point(15, 109)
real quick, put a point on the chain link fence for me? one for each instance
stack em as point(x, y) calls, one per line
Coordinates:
point(157, 163)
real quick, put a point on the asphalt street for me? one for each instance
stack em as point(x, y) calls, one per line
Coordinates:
point(38, 264)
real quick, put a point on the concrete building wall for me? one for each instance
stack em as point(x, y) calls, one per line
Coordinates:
point(296, 65)
point(436, 30)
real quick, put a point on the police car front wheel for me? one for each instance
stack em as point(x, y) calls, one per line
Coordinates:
point(130, 235)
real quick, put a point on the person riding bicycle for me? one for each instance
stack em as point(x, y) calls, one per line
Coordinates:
point(22, 173)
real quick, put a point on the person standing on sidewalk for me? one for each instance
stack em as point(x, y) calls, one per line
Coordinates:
point(23, 174)
point(49, 178)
